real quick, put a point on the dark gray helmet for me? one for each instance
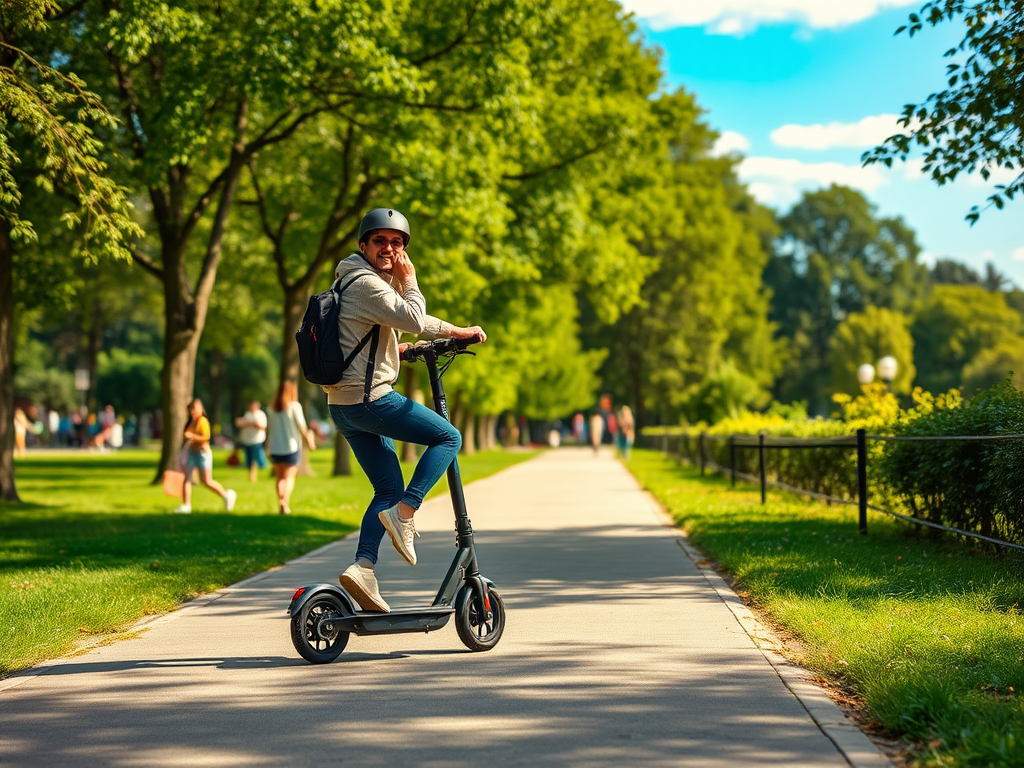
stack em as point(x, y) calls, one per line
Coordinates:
point(384, 218)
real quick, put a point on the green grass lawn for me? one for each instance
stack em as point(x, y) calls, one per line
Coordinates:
point(93, 546)
point(927, 631)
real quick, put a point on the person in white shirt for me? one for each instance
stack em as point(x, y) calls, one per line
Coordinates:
point(251, 436)
point(287, 429)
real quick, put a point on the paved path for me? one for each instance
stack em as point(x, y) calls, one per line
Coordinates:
point(619, 651)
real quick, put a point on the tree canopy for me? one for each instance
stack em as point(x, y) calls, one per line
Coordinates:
point(51, 151)
point(977, 123)
point(836, 256)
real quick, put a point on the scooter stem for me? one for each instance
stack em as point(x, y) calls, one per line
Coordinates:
point(463, 528)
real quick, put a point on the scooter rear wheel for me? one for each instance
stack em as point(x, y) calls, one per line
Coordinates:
point(313, 635)
point(479, 630)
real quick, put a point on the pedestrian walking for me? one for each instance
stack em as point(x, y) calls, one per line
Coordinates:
point(596, 431)
point(288, 431)
point(627, 431)
point(21, 424)
point(102, 429)
point(196, 455)
point(252, 435)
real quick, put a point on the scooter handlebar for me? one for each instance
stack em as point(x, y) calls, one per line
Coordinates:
point(438, 347)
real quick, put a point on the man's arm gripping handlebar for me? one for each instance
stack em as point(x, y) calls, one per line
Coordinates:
point(438, 347)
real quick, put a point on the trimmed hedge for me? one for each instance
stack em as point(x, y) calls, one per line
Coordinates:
point(973, 485)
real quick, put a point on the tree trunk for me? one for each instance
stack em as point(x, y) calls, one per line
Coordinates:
point(185, 309)
point(7, 490)
point(412, 384)
point(482, 425)
point(342, 456)
point(296, 298)
point(468, 430)
point(511, 432)
point(177, 383)
point(492, 433)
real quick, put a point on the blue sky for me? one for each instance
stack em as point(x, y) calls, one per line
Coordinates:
point(801, 88)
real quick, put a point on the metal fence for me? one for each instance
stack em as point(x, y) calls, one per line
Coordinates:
point(694, 450)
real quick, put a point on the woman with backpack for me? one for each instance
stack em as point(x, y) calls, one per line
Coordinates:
point(381, 300)
point(287, 431)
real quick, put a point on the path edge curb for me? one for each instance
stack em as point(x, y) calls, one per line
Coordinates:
point(853, 744)
point(23, 676)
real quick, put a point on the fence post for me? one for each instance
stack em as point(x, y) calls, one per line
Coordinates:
point(732, 459)
point(700, 448)
point(664, 443)
point(761, 466)
point(862, 481)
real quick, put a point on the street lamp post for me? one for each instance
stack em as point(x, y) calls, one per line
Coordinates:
point(866, 374)
point(887, 370)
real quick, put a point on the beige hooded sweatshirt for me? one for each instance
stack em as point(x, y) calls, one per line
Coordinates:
point(373, 300)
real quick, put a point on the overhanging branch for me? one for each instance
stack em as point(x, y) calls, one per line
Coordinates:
point(147, 263)
point(526, 176)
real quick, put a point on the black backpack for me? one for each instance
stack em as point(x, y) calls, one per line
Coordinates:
point(320, 353)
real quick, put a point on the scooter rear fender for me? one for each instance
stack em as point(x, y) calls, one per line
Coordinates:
point(311, 591)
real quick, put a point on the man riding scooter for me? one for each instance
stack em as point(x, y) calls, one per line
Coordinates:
point(365, 407)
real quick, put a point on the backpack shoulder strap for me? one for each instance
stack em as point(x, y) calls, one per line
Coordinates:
point(361, 273)
point(372, 362)
point(373, 336)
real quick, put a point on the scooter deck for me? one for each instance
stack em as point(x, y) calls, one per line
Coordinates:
point(411, 619)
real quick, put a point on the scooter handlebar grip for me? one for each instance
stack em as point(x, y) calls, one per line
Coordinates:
point(438, 346)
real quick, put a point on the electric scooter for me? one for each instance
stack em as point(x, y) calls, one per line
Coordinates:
point(324, 615)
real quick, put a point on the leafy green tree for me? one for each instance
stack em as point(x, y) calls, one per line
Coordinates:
point(993, 365)
point(835, 257)
point(951, 272)
point(867, 337)
point(203, 86)
point(726, 393)
point(703, 306)
point(424, 141)
point(954, 326)
point(129, 382)
point(579, 172)
point(49, 141)
point(977, 123)
point(52, 388)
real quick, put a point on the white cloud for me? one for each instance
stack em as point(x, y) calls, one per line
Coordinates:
point(913, 169)
point(868, 132)
point(779, 181)
point(1018, 254)
point(737, 17)
point(927, 258)
point(728, 142)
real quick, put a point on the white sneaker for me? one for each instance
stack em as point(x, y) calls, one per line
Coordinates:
point(402, 533)
point(361, 583)
point(229, 499)
point(184, 509)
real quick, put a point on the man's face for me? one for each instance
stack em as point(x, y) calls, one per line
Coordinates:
point(381, 247)
point(254, 406)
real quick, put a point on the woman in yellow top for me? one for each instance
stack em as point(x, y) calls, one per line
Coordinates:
point(200, 458)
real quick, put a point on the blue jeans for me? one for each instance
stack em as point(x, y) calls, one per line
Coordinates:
point(370, 429)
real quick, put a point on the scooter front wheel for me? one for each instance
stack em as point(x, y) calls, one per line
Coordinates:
point(479, 627)
point(314, 635)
